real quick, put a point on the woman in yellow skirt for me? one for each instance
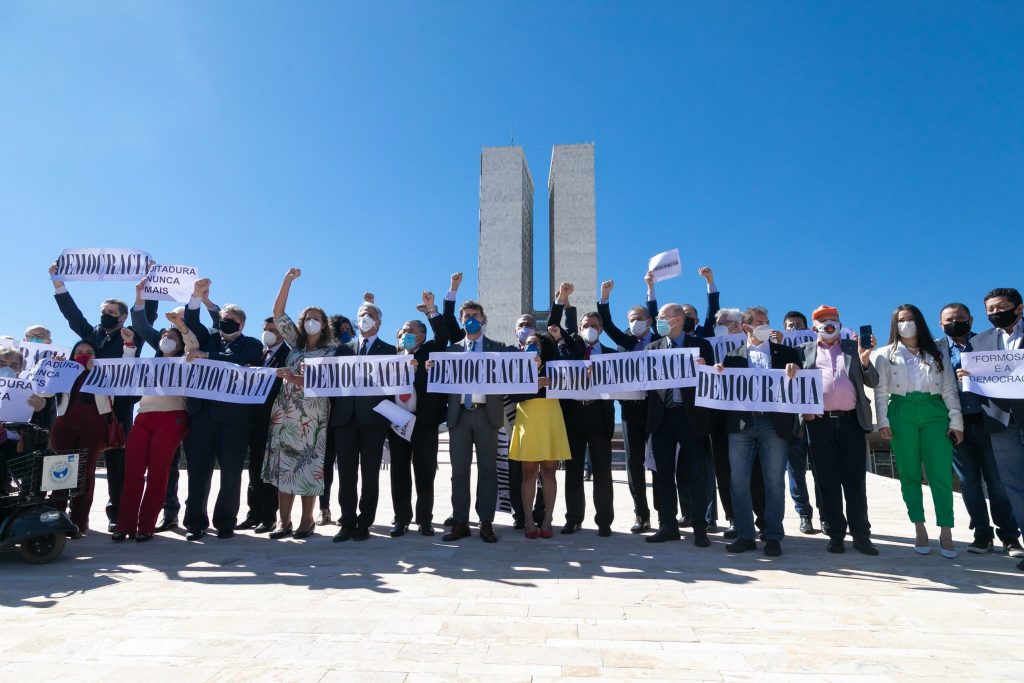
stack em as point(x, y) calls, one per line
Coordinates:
point(539, 440)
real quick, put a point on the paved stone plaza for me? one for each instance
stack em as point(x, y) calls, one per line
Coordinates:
point(576, 607)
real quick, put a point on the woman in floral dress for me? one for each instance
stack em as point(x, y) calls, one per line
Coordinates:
point(298, 424)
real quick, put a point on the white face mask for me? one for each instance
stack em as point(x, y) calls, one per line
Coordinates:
point(907, 329)
point(638, 327)
point(762, 332)
point(312, 326)
point(366, 323)
point(822, 327)
point(269, 338)
point(591, 334)
point(168, 345)
point(524, 333)
point(721, 330)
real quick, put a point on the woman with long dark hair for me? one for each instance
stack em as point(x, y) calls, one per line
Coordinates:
point(917, 407)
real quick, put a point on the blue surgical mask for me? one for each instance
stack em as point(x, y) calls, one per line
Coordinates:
point(472, 325)
point(36, 340)
point(663, 328)
point(345, 337)
point(532, 347)
point(408, 341)
point(8, 372)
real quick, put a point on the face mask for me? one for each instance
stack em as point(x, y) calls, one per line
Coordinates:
point(345, 337)
point(591, 334)
point(638, 328)
point(83, 359)
point(532, 347)
point(229, 326)
point(957, 328)
point(269, 338)
point(408, 341)
point(366, 323)
point(762, 332)
point(7, 372)
point(168, 345)
point(1003, 318)
point(36, 340)
point(107, 321)
point(524, 333)
point(907, 330)
point(312, 326)
point(689, 324)
point(663, 328)
point(824, 326)
point(472, 325)
point(721, 330)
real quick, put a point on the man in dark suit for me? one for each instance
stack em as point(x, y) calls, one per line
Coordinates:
point(359, 434)
point(677, 425)
point(261, 496)
point(766, 433)
point(590, 425)
point(420, 453)
point(218, 430)
point(106, 339)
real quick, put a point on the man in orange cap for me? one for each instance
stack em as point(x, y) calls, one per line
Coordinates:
point(839, 435)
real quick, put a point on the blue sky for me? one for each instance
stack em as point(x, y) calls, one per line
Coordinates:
point(859, 154)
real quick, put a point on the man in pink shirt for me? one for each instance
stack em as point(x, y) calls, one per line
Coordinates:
point(838, 437)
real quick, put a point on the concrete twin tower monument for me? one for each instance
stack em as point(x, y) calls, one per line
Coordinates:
point(505, 263)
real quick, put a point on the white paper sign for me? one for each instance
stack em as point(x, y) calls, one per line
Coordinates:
point(96, 265)
point(726, 343)
point(665, 265)
point(489, 372)
point(757, 389)
point(207, 379)
point(54, 376)
point(797, 337)
point(170, 283)
point(60, 472)
point(613, 375)
point(402, 421)
point(14, 393)
point(996, 374)
point(34, 352)
point(358, 376)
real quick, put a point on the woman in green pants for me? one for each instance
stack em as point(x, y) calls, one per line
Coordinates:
point(917, 407)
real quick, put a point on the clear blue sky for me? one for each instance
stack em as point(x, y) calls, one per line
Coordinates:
point(860, 154)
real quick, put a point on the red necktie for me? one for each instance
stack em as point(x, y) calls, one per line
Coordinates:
point(586, 356)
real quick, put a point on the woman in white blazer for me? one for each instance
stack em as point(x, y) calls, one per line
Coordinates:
point(917, 407)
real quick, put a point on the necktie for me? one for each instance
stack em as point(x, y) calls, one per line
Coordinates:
point(266, 357)
point(586, 356)
point(467, 399)
point(363, 349)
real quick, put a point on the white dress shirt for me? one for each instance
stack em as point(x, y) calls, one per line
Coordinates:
point(917, 373)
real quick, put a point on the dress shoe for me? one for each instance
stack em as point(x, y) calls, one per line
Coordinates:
point(361, 533)
point(730, 531)
point(761, 536)
point(700, 539)
point(167, 524)
point(807, 525)
point(826, 528)
point(980, 546)
point(836, 545)
point(263, 528)
point(77, 533)
point(398, 530)
point(546, 533)
point(665, 533)
point(195, 534)
point(772, 548)
point(923, 549)
point(685, 522)
point(640, 525)
point(112, 527)
point(450, 521)
point(427, 529)
point(457, 531)
point(281, 532)
point(712, 527)
point(305, 533)
point(741, 545)
point(344, 534)
point(142, 538)
point(865, 546)
point(532, 533)
point(225, 533)
point(570, 529)
point(604, 531)
point(518, 523)
point(118, 536)
point(487, 533)
point(325, 517)
point(247, 523)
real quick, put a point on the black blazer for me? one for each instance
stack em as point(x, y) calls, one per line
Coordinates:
point(786, 425)
point(431, 409)
point(346, 409)
point(261, 411)
point(456, 334)
point(697, 417)
point(633, 411)
point(575, 348)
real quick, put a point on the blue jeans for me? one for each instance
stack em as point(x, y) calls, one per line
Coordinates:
point(1008, 446)
point(974, 461)
point(759, 433)
point(796, 469)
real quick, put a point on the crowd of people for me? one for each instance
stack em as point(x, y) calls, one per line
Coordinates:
point(708, 464)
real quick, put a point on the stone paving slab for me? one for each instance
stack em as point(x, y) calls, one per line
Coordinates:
point(576, 608)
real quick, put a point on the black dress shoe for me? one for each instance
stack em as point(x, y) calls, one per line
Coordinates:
point(741, 545)
point(281, 532)
point(730, 531)
point(361, 533)
point(344, 534)
point(263, 528)
point(427, 529)
point(807, 526)
point(772, 548)
point(487, 534)
point(195, 534)
point(864, 545)
point(247, 523)
point(761, 536)
point(640, 525)
point(664, 534)
point(398, 530)
point(118, 536)
point(836, 545)
point(450, 521)
point(712, 528)
point(457, 531)
point(142, 538)
point(700, 539)
point(225, 533)
point(304, 533)
point(167, 524)
point(570, 529)
point(112, 526)
point(518, 523)
point(604, 531)
point(826, 528)
point(685, 522)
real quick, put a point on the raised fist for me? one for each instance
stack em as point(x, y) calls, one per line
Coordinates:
point(293, 274)
point(606, 288)
point(456, 281)
point(706, 273)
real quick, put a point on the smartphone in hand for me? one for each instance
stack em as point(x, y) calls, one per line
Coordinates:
point(864, 337)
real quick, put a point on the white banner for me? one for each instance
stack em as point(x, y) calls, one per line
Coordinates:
point(756, 389)
point(798, 337)
point(402, 421)
point(14, 393)
point(996, 374)
point(170, 283)
point(358, 376)
point(622, 374)
point(726, 343)
point(665, 265)
point(54, 376)
point(34, 352)
point(488, 372)
point(97, 265)
point(209, 379)
point(60, 472)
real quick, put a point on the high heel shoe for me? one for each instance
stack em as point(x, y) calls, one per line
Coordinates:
point(281, 532)
point(547, 533)
point(304, 533)
point(532, 533)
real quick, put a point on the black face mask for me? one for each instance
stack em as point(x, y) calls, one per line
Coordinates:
point(107, 321)
point(229, 326)
point(1003, 318)
point(689, 324)
point(957, 328)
